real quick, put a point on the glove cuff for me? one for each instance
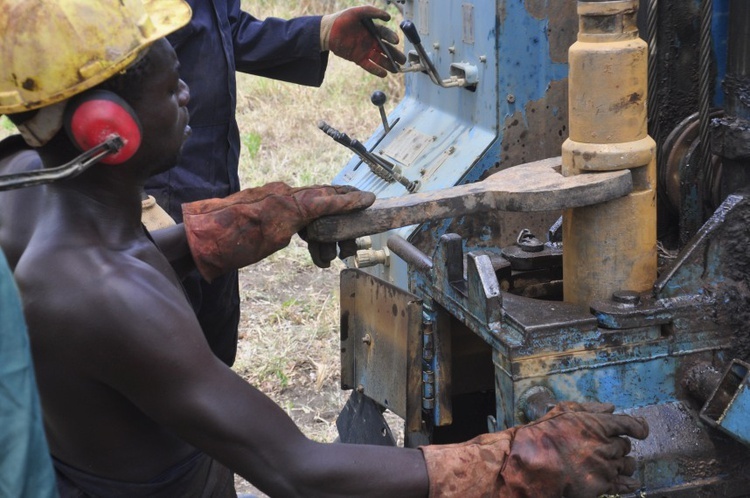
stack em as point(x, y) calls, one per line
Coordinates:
point(230, 233)
point(472, 468)
point(239, 230)
point(326, 23)
point(202, 241)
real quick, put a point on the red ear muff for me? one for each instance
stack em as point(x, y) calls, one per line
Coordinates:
point(95, 116)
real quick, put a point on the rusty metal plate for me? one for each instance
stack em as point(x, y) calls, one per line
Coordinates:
point(381, 343)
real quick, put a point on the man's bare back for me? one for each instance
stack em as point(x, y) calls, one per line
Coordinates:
point(99, 345)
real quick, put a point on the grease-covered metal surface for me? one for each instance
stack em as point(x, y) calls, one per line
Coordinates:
point(716, 264)
point(733, 257)
point(634, 349)
point(381, 333)
point(683, 459)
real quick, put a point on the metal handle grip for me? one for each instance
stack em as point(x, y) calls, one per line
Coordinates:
point(410, 31)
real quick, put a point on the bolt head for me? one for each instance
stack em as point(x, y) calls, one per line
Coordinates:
point(630, 298)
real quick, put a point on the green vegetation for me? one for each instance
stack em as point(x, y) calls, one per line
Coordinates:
point(6, 126)
point(251, 141)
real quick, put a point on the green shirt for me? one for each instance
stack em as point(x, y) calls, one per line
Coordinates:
point(25, 463)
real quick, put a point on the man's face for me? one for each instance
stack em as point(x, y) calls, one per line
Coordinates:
point(162, 110)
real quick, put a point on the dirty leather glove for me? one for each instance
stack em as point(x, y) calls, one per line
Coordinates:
point(226, 234)
point(575, 450)
point(344, 34)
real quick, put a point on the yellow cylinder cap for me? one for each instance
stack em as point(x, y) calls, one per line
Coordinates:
point(54, 49)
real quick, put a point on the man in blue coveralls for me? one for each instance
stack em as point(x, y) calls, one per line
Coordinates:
point(220, 40)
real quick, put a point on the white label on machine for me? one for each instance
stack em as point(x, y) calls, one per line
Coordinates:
point(408, 146)
point(423, 20)
point(467, 14)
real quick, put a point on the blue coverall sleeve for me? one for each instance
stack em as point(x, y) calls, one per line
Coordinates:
point(287, 50)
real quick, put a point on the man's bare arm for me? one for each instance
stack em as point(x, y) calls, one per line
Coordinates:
point(172, 242)
point(161, 362)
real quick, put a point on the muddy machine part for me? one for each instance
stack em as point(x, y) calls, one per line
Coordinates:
point(484, 315)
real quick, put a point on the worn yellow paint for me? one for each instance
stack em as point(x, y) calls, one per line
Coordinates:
point(53, 50)
point(610, 246)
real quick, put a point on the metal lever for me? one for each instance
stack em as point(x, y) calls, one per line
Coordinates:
point(425, 63)
point(410, 31)
point(378, 98)
point(385, 48)
point(68, 170)
point(373, 161)
point(537, 186)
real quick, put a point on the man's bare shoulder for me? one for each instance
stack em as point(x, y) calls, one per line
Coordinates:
point(101, 294)
point(110, 316)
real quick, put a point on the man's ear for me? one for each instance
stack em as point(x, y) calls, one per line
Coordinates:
point(95, 116)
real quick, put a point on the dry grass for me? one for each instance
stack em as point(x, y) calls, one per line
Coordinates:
point(278, 121)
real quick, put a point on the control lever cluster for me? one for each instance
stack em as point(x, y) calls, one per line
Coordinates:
point(466, 75)
point(380, 166)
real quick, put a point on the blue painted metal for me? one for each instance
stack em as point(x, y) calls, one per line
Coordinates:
point(720, 36)
point(735, 419)
point(440, 133)
point(635, 356)
point(729, 407)
point(449, 136)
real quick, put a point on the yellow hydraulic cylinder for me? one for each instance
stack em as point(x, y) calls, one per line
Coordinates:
point(612, 246)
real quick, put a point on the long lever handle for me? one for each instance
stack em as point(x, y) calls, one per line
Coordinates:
point(536, 186)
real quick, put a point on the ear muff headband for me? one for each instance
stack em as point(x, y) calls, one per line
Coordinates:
point(95, 116)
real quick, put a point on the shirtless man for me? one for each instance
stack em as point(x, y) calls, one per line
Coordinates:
point(134, 401)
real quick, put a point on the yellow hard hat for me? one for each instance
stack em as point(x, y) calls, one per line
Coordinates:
point(54, 49)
